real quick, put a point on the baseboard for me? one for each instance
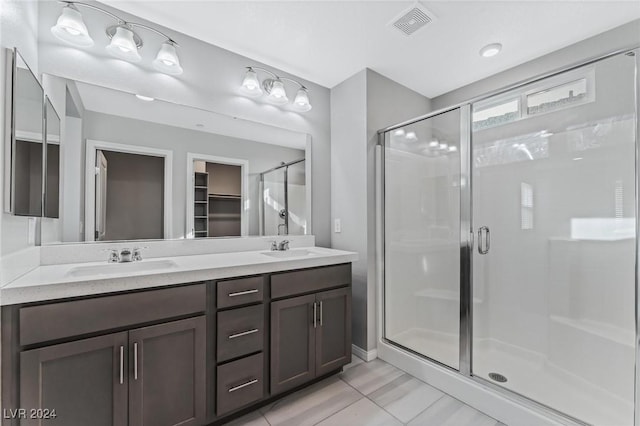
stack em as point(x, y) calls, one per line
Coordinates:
point(364, 355)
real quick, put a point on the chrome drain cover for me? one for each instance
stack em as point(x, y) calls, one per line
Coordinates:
point(497, 377)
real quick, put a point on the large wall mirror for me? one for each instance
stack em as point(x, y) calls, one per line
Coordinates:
point(135, 168)
point(24, 141)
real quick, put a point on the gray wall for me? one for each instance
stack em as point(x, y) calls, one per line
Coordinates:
point(210, 81)
point(135, 196)
point(621, 37)
point(360, 106)
point(261, 157)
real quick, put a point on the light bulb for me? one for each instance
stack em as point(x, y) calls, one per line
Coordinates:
point(167, 60)
point(71, 29)
point(411, 137)
point(251, 84)
point(277, 94)
point(434, 144)
point(123, 45)
point(301, 102)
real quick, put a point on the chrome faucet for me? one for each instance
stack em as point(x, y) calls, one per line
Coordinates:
point(284, 245)
point(125, 255)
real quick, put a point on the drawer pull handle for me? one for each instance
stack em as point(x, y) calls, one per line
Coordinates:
point(244, 385)
point(243, 293)
point(244, 333)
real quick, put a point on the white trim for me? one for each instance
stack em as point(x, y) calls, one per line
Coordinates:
point(244, 211)
point(27, 136)
point(307, 176)
point(364, 355)
point(90, 188)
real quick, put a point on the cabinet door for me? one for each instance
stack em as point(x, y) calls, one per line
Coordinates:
point(167, 374)
point(292, 342)
point(333, 334)
point(85, 382)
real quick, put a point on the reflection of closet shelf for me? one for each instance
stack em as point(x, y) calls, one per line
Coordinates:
point(201, 202)
point(200, 187)
point(225, 196)
point(224, 216)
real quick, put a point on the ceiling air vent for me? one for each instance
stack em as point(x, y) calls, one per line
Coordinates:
point(412, 20)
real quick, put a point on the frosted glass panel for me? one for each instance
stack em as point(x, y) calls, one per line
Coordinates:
point(554, 297)
point(422, 237)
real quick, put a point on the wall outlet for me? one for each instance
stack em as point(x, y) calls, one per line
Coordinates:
point(337, 226)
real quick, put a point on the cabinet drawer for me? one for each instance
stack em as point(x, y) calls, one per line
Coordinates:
point(309, 280)
point(240, 383)
point(240, 332)
point(66, 319)
point(240, 292)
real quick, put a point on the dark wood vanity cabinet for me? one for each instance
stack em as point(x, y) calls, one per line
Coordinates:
point(114, 379)
point(310, 334)
point(186, 355)
point(83, 382)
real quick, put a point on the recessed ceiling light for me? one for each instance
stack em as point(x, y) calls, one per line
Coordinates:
point(490, 50)
point(145, 98)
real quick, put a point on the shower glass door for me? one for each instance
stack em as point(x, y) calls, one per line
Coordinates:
point(554, 187)
point(422, 237)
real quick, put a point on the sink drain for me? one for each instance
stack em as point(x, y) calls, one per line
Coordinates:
point(497, 377)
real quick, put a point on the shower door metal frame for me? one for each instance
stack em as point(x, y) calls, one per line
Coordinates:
point(467, 236)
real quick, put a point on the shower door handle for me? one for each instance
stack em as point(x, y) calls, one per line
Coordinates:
point(484, 248)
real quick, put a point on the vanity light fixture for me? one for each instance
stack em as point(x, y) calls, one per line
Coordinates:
point(125, 42)
point(275, 89)
point(71, 28)
point(490, 50)
point(123, 45)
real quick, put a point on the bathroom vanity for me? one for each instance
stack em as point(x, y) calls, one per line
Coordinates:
point(170, 350)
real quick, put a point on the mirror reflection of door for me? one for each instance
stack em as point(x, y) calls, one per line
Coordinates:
point(101, 195)
point(129, 196)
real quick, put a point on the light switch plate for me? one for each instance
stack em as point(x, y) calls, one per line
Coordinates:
point(337, 226)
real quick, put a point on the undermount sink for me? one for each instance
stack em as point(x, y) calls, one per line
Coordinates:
point(288, 253)
point(121, 268)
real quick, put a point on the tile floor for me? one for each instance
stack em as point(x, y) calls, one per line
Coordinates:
point(368, 394)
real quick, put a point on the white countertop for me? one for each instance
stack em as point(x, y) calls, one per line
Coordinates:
point(51, 282)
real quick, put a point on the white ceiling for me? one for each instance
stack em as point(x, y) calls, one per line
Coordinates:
point(328, 41)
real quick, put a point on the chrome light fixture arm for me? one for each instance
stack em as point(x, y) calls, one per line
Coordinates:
point(119, 19)
point(276, 76)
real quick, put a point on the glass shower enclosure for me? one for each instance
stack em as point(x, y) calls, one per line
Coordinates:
point(283, 208)
point(510, 240)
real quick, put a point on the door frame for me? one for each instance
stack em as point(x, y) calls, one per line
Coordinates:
point(463, 384)
point(244, 172)
point(90, 189)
